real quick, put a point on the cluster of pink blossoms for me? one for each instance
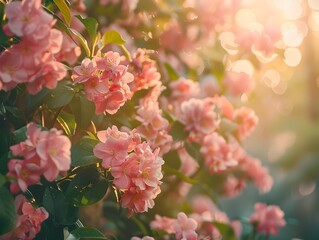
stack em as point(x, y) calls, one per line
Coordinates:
point(105, 82)
point(32, 60)
point(154, 127)
point(44, 153)
point(135, 167)
point(183, 227)
point(28, 222)
point(144, 70)
point(267, 218)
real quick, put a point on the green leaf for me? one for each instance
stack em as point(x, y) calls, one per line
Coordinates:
point(65, 126)
point(64, 9)
point(7, 211)
point(225, 230)
point(171, 171)
point(87, 187)
point(178, 131)
point(83, 110)
point(60, 96)
point(2, 180)
point(19, 135)
point(172, 74)
point(34, 101)
point(112, 36)
point(193, 149)
point(59, 209)
point(82, 40)
point(91, 26)
point(172, 159)
point(82, 152)
point(85, 232)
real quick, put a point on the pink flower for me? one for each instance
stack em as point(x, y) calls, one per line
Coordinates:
point(246, 120)
point(28, 222)
point(114, 147)
point(143, 238)
point(233, 186)
point(185, 227)
point(145, 73)
point(11, 72)
point(137, 200)
point(54, 150)
point(27, 173)
point(267, 218)
point(257, 173)
point(25, 17)
point(184, 89)
point(199, 116)
point(238, 83)
point(87, 70)
point(163, 224)
point(218, 154)
point(69, 51)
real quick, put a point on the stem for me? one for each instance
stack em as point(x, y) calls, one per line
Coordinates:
point(57, 113)
point(126, 53)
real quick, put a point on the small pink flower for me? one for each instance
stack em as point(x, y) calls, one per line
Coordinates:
point(69, 51)
point(185, 227)
point(233, 186)
point(143, 68)
point(257, 173)
point(137, 200)
point(54, 150)
point(246, 120)
point(163, 224)
point(184, 89)
point(143, 238)
point(268, 218)
point(114, 147)
point(218, 154)
point(238, 83)
point(25, 17)
point(87, 70)
point(27, 173)
point(28, 222)
point(199, 116)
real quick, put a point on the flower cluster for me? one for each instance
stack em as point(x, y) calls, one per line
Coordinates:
point(105, 82)
point(183, 227)
point(32, 60)
point(135, 167)
point(144, 70)
point(267, 218)
point(154, 127)
point(29, 220)
point(44, 153)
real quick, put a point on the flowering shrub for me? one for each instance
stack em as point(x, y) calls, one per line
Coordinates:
point(115, 104)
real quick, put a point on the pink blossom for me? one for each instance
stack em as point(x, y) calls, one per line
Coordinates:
point(184, 89)
point(11, 72)
point(54, 150)
point(25, 17)
point(143, 238)
point(185, 227)
point(233, 186)
point(28, 222)
point(114, 147)
point(188, 163)
point(26, 172)
point(87, 70)
point(69, 51)
point(257, 173)
point(143, 68)
point(267, 218)
point(218, 154)
point(246, 120)
point(163, 224)
point(137, 200)
point(238, 83)
point(199, 116)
